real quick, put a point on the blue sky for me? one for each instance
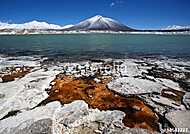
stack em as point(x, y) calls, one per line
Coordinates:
point(142, 14)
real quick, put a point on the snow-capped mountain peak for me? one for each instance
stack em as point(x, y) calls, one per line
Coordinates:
point(101, 18)
point(95, 18)
point(99, 22)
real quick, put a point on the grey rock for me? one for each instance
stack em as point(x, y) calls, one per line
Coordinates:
point(43, 126)
point(129, 68)
point(30, 121)
point(25, 93)
point(167, 102)
point(92, 129)
point(167, 83)
point(186, 100)
point(179, 119)
point(72, 112)
point(157, 107)
point(185, 84)
point(131, 86)
point(133, 131)
point(76, 117)
point(2, 96)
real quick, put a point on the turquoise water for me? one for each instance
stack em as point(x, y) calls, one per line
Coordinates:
point(93, 45)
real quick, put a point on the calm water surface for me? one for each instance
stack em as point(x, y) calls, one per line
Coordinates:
point(96, 45)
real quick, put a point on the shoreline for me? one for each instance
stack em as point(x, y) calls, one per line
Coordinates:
point(42, 32)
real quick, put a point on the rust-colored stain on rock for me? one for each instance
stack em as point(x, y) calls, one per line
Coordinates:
point(67, 89)
point(173, 94)
point(15, 73)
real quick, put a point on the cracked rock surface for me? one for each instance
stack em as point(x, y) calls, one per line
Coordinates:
point(105, 96)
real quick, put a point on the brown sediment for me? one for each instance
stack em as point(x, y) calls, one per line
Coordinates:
point(176, 95)
point(67, 89)
point(14, 73)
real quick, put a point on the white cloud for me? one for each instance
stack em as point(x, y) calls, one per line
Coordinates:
point(117, 3)
point(112, 4)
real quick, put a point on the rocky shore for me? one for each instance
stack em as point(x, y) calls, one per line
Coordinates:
point(107, 96)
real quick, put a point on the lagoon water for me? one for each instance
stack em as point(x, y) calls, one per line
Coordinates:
point(79, 46)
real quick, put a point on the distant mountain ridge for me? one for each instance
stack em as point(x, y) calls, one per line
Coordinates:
point(30, 25)
point(97, 23)
point(176, 27)
point(94, 23)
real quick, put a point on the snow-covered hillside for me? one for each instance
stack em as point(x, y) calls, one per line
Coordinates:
point(176, 27)
point(29, 25)
point(67, 26)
